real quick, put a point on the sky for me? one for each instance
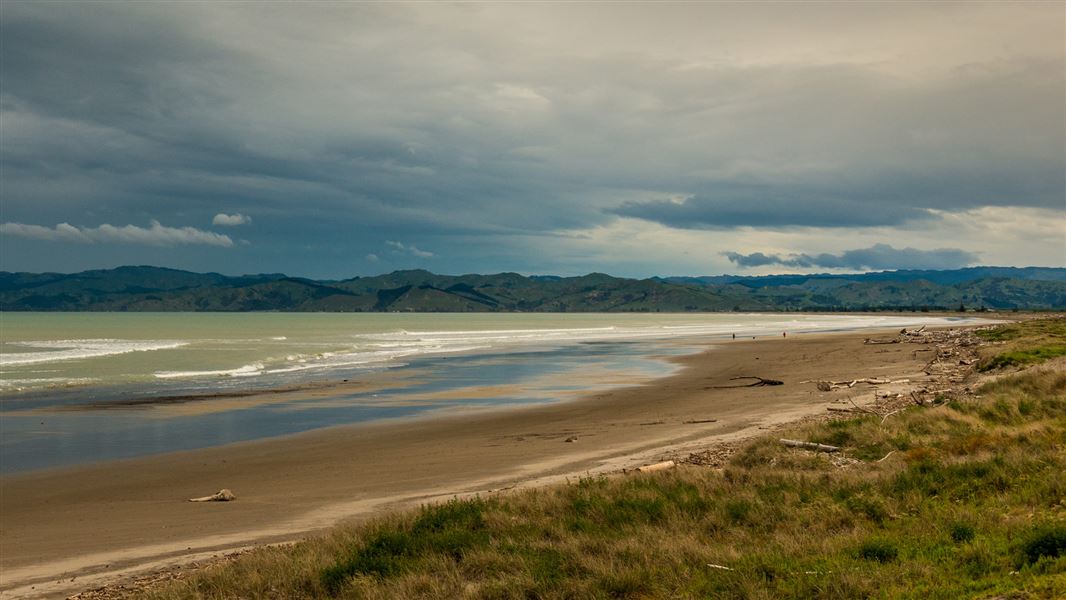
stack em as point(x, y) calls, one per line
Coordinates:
point(332, 140)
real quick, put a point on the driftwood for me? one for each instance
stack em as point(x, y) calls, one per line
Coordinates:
point(222, 495)
point(810, 446)
point(761, 382)
point(656, 467)
point(917, 336)
point(695, 421)
point(917, 400)
point(828, 386)
point(859, 408)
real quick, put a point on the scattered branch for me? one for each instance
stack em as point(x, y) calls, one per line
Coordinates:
point(761, 382)
point(888, 415)
point(810, 446)
point(859, 408)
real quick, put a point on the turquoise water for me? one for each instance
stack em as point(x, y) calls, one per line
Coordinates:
point(73, 384)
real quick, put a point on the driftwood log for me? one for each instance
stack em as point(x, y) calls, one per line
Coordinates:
point(758, 383)
point(828, 386)
point(656, 467)
point(222, 495)
point(810, 446)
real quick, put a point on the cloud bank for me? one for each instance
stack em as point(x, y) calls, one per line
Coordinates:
point(230, 220)
point(408, 249)
point(876, 257)
point(490, 130)
point(155, 234)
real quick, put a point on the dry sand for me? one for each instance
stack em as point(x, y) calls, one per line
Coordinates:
point(67, 530)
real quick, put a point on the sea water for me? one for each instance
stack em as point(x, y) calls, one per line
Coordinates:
point(78, 387)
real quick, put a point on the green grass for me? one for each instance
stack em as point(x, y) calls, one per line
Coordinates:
point(1021, 358)
point(1023, 343)
point(971, 504)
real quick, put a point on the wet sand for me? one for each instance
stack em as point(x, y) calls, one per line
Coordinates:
point(99, 523)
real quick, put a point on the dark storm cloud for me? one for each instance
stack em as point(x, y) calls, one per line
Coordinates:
point(770, 207)
point(876, 257)
point(348, 125)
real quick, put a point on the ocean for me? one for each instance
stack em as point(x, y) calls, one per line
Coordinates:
point(87, 387)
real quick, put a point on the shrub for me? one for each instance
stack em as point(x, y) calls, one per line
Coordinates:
point(1047, 541)
point(738, 510)
point(962, 532)
point(879, 550)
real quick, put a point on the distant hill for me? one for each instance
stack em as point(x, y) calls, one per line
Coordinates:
point(950, 277)
point(144, 288)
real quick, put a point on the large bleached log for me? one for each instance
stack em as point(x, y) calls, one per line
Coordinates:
point(810, 446)
point(828, 386)
point(222, 495)
point(656, 467)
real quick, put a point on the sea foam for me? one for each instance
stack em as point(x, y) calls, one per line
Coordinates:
point(61, 350)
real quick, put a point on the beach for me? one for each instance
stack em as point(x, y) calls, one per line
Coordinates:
point(74, 528)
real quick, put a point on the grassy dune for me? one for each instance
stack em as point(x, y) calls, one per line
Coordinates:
point(1024, 343)
point(966, 500)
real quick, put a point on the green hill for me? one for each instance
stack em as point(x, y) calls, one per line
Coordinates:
point(145, 288)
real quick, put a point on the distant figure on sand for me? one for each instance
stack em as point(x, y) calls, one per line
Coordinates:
point(734, 336)
point(784, 334)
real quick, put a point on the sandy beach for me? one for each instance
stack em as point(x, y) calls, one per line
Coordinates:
point(66, 530)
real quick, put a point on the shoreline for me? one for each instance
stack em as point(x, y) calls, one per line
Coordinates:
point(103, 523)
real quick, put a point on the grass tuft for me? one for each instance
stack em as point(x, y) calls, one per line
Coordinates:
point(449, 529)
point(962, 533)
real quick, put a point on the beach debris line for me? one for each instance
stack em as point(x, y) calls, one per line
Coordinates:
point(759, 383)
point(696, 421)
point(810, 446)
point(223, 495)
